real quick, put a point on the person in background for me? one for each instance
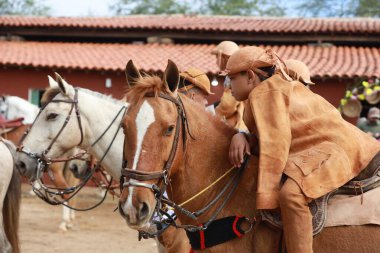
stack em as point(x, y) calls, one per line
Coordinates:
point(371, 124)
point(229, 109)
point(299, 71)
point(195, 84)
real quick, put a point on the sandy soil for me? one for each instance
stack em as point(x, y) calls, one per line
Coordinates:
point(99, 230)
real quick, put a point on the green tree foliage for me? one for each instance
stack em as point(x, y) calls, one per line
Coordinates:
point(210, 7)
point(243, 7)
point(339, 8)
point(126, 7)
point(368, 8)
point(23, 7)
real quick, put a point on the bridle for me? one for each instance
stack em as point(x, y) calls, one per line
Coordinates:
point(48, 194)
point(164, 174)
point(42, 159)
point(163, 180)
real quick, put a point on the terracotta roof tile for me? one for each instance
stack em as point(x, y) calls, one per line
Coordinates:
point(204, 23)
point(333, 61)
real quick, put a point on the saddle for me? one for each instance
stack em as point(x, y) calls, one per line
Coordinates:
point(367, 180)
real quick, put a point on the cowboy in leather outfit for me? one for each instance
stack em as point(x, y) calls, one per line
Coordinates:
point(228, 108)
point(302, 139)
point(195, 84)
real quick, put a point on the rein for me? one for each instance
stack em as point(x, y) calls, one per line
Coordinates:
point(49, 193)
point(163, 176)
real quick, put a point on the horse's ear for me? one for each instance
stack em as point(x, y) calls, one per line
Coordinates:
point(65, 88)
point(52, 82)
point(132, 74)
point(171, 76)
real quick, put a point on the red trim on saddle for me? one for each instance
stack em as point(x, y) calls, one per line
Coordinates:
point(217, 232)
point(236, 231)
point(202, 238)
point(11, 123)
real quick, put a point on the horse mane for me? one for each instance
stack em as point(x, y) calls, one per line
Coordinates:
point(52, 92)
point(102, 96)
point(49, 94)
point(145, 85)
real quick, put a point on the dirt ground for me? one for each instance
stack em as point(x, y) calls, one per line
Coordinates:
point(99, 230)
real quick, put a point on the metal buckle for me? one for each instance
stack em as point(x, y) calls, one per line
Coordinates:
point(251, 223)
point(165, 176)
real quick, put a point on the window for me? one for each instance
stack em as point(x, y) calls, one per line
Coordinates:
point(35, 96)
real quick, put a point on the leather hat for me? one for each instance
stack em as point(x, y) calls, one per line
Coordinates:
point(197, 78)
point(298, 70)
point(225, 47)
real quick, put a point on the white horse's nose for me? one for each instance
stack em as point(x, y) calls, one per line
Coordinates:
point(26, 165)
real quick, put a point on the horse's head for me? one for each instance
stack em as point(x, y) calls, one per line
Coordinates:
point(56, 130)
point(152, 128)
point(3, 106)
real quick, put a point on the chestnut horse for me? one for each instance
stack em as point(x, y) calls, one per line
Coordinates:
point(150, 128)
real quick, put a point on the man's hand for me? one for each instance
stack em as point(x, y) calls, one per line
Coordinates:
point(238, 148)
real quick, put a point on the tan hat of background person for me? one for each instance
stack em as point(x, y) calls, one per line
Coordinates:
point(225, 47)
point(298, 71)
point(223, 51)
point(197, 78)
point(253, 58)
point(352, 108)
point(373, 113)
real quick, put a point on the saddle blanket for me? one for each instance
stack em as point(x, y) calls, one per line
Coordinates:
point(349, 210)
point(341, 210)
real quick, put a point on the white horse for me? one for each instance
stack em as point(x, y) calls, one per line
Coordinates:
point(96, 112)
point(12, 107)
point(10, 196)
point(99, 114)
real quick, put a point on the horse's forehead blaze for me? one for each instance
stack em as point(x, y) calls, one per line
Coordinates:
point(144, 118)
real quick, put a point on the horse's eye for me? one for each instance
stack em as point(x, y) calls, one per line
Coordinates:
point(169, 131)
point(51, 116)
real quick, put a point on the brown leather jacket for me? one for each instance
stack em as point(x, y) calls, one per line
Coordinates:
point(303, 136)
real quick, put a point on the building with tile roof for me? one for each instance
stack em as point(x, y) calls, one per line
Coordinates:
point(92, 52)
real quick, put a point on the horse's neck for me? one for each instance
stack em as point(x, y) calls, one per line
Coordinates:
point(18, 107)
point(206, 158)
point(99, 114)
